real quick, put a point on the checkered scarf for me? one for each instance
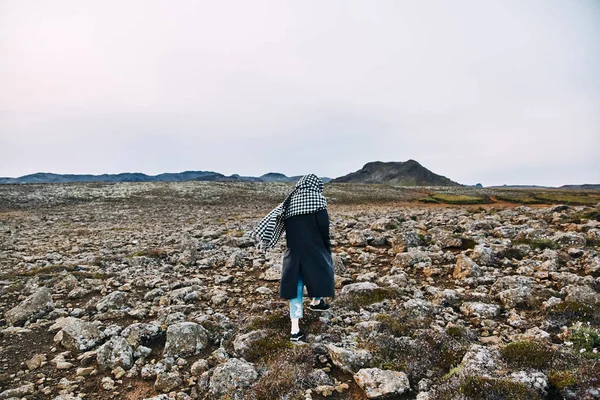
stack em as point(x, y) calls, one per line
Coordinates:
point(306, 198)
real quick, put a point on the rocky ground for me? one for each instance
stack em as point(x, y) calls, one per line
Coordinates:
point(136, 291)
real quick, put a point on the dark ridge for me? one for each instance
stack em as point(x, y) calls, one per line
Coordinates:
point(408, 173)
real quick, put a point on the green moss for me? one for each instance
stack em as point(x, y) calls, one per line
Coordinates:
point(526, 354)
point(483, 388)
point(569, 312)
point(459, 199)
point(392, 325)
point(151, 253)
point(457, 331)
point(561, 379)
point(356, 300)
point(541, 244)
point(467, 243)
point(526, 199)
point(268, 347)
point(577, 198)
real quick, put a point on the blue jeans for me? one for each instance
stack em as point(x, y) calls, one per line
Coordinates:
point(296, 302)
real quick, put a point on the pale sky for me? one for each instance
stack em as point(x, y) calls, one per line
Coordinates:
point(495, 92)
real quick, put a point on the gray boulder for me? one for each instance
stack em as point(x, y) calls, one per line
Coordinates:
point(141, 333)
point(379, 384)
point(112, 301)
point(76, 334)
point(348, 360)
point(37, 303)
point(185, 339)
point(232, 378)
point(115, 353)
point(359, 287)
point(243, 343)
point(482, 310)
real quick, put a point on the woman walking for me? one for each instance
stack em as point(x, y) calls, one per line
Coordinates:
point(307, 260)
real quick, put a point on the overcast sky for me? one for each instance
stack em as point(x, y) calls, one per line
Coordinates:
point(479, 91)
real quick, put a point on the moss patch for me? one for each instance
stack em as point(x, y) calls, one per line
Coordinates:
point(540, 244)
point(356, 300)
point(455, 199)
point(526, 354)
point(561, 379)
point(483, 388)
point(570, 312)
point(392, 325)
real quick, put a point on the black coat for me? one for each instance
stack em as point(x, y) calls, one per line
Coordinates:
point(309, 252)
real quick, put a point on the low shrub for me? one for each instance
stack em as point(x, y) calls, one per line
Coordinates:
point(287, 375)
point(585, 339)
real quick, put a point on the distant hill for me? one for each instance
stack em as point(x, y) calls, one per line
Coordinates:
point(43, 177)
point(408, 173)
point(581, 187)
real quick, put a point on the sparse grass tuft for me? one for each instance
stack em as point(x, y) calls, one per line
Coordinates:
point(287, 374)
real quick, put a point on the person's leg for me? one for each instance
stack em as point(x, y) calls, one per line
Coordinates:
point(296, 306)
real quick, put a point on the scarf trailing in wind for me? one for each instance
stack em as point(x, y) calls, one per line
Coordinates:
point(306, 198)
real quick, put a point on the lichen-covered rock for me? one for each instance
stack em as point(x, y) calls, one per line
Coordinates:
point(37, 303)
point(76, 334)
point(581, 294)
point(185, 339)
point(483, 310)
point(479, 360)
point(348, 360)
point(359, 287)
point(232, 378)
point(465, 267)
point(112, 301)
point(244, 342)
point(379, 384)
point(536, 380)
point(115, 353)
point(167, 381)
point(141, 333)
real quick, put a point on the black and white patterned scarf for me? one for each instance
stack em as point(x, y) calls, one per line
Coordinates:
point(306, 198)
